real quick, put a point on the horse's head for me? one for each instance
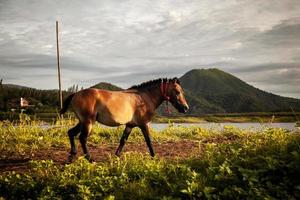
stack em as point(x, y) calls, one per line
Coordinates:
point(176, 96)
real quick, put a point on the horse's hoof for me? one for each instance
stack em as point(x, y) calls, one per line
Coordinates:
point(88, 157)
point(70, 159)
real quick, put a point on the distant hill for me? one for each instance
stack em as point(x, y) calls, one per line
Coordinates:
point(107, 86)
point(15, 86)
point(207, 91)
point(215, 91)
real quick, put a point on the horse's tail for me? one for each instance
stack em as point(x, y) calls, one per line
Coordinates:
point(66, 104)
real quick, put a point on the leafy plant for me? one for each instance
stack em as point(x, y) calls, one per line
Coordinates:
point(228, 164)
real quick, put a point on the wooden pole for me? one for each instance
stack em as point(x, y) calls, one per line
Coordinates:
point(58, 66)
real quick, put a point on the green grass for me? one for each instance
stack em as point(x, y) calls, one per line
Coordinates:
point(233, 164)
point(29, 135)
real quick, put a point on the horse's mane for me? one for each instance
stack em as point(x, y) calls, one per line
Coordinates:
point(152, 83)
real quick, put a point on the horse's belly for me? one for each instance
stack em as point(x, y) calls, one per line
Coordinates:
point(109, 118)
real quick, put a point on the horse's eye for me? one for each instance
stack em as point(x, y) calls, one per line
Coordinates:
point(177, 93)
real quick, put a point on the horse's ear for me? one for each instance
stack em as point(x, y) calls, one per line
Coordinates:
point(176, 80)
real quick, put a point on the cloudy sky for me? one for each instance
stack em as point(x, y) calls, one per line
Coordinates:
point(129, 41)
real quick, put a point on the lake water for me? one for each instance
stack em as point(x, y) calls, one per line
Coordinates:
point(220, 126)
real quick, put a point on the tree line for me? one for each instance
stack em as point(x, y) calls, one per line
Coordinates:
point(41, 99)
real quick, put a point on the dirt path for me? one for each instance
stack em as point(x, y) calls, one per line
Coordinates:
point(102, 152)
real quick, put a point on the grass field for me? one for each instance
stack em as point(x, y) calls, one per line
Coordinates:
point(190, 163)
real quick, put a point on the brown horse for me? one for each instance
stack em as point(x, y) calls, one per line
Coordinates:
point(134, 107)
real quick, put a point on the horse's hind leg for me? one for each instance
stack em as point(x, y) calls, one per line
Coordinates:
point(85, 131)
point(124, 137)
point(73, 132)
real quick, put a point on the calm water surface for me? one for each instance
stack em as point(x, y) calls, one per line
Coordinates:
point(220, 126)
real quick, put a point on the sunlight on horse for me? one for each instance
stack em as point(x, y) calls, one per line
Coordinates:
point(134, 107)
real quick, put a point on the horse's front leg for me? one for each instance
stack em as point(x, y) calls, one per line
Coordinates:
point(123, 139)
point(146, 133)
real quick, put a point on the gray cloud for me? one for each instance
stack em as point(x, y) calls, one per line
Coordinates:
point(280, 78)
point(125, 42)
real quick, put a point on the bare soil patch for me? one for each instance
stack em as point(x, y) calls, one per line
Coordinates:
point(102, 152)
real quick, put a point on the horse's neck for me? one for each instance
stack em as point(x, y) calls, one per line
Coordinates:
point(155, 96)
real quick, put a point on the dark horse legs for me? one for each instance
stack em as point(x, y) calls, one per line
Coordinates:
point(123, 139)
point(73, 132)
point(145, 130)
point(146, 133)
point(85, 129)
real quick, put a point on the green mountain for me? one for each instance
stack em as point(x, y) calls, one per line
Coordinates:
point(13, 86)
point(215, 91)
point(107, 86)
point(207, 91)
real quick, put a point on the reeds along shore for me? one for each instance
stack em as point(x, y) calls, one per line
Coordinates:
point(218, 118)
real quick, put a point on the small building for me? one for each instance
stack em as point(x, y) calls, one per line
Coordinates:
point(23, 103)
point(17, 103)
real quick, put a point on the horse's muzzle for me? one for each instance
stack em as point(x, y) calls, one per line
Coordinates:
point(183, 108)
